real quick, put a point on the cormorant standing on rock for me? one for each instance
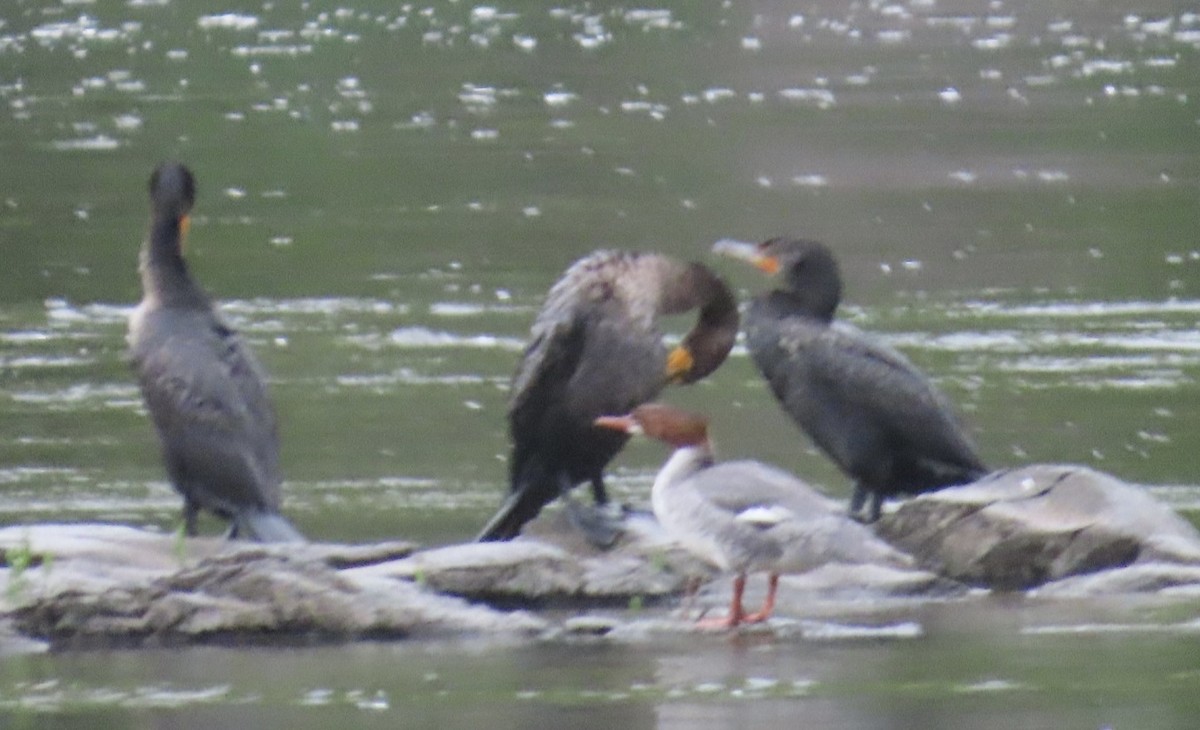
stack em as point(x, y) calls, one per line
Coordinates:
point(596, 349)
point(862, 402)
point(204, 389)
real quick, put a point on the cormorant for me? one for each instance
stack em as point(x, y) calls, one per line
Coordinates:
point(595, 348)
point(204, 389)
point(744, 516)
point(862, 402)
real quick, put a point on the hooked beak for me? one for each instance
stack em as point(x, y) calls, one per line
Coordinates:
point(747, 252)
point(679, 364)
point(185, 225)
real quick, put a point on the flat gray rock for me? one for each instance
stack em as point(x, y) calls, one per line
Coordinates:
point(552, 565)
point(1025, 527)
point(103, 585)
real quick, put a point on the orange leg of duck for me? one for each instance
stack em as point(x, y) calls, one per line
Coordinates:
point(736, 611)
point(768, 606)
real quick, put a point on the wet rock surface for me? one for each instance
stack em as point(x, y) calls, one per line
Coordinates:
point(1026, 527)
point(1066, 532)
point(100, 585)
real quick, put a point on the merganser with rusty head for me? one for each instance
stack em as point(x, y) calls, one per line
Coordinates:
point(744, 516)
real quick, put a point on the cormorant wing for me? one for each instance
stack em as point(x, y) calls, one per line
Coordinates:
point(882, 385)
point(206, 393)
point(545, 369)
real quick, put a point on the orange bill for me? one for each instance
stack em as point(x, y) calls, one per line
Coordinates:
point(616, 423)
point(748, 252)
point(679, 364)
point(185, 225)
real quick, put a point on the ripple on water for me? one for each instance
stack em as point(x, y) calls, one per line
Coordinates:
point(97, 143)
point(838, 632)
point(424, 337)
point(227, 21)
point(327, 306)
point(1078, 309)
point(51, 696)
point(96, 395)
point(407, 376)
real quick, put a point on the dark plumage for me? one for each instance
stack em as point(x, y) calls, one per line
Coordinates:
point(204, 389)
point(862, 402)
point(596, 349)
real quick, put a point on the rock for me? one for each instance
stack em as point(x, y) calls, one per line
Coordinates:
point(100, 585)
point(1021, 528)
point(1073, 531)
point(490, 571)
point(1139, 578)
point(869, 582)
point(590, 625)
point(552, 565)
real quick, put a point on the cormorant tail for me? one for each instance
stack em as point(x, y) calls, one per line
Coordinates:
point(266, 527)
point(520, 507)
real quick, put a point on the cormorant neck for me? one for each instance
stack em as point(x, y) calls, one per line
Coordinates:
point(165, 276)
point(715, 331)
point(803, 303)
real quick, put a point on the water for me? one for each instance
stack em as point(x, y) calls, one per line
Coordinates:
point(386, 192)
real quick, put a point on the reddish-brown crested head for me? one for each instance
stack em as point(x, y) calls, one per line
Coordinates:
point(660, 421)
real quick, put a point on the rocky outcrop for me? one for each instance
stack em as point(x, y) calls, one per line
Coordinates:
point(1026, 527)
point(552, 566)
point(85, 585)
point(1063, 531)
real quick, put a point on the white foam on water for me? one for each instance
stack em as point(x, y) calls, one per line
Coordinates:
point(228, 21)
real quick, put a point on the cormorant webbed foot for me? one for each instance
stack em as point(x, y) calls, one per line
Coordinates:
point(600, 524)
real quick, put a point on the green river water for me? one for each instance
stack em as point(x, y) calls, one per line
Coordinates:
point(387, 190)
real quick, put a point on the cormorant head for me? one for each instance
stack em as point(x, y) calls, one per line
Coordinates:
point(172, 190)
point(809, 271)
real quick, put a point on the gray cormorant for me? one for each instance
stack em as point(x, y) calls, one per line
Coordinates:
point(205, 391)
point(745, 516)
point(862, 402)
point(596, 349)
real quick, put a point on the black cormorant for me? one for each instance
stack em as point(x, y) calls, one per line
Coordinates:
point(205, 391)
point(862, 402)
point(745, 516)
point(596, 349)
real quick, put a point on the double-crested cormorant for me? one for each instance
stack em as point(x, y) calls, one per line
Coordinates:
point(596, 349)
point(204, 389)
point(862, 402)
point(744, 516)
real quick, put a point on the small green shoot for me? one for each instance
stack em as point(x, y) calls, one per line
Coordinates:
point(179, 546)
point(19, 559)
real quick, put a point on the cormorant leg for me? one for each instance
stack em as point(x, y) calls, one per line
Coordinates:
point(598, 523)
point(768, 606)
point(859, 500)
point(599, 493)
point(191, 511)
point(876, 507)
point(735, 608)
